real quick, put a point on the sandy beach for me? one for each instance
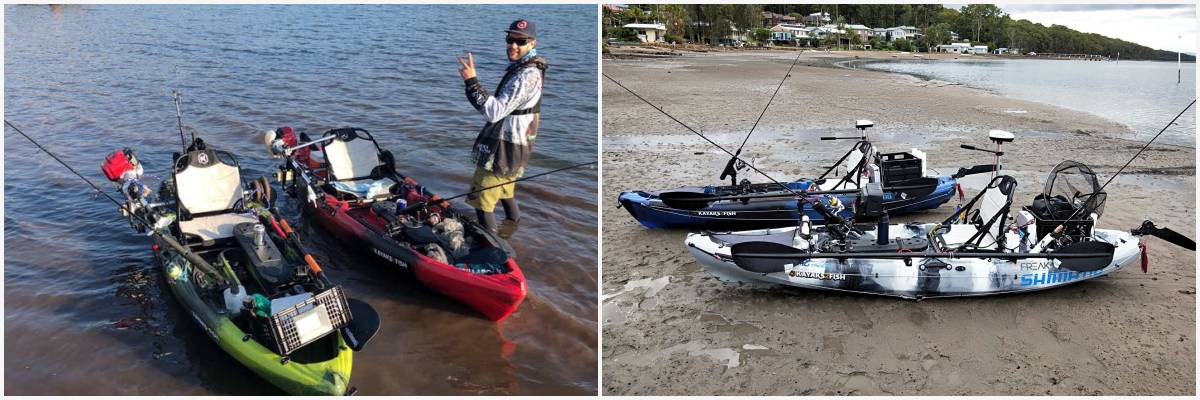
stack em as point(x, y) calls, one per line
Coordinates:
point(669, 328)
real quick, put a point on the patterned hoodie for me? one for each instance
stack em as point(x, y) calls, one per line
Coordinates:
point(505, 143)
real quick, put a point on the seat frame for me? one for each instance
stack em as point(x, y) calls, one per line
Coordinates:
point(384, 168)
point(1008, 186)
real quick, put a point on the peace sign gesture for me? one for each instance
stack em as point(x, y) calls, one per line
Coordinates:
point(466, 67)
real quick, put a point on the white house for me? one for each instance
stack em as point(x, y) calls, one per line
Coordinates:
point(826, 30)
point(794, 30)
point(980, 49)
point(904, 32)
point(961, 47)
point(649, 33)
point(817, 18)
point(792, 33)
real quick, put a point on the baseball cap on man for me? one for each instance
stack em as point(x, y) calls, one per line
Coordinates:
point(522, 28)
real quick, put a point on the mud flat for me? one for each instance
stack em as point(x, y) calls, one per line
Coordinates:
point(670, 328)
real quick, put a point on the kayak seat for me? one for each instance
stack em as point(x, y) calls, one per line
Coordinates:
point(850, 164)
point(357, 167)
point(959, 234)
point(984, 230)
point(209, 193)
point(214, 227)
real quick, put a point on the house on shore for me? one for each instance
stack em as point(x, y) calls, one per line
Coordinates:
point(864, 33)
point(773, 19)
point(903, 32)
point(649, 33)
point(817, 18)
point(796, 35)
point(960, 48)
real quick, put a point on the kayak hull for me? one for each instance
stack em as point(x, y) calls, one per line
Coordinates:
point(312, 378)
point(893, 277)
point(496, 296)
point(651, 212)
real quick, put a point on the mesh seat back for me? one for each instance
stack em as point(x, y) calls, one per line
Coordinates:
point(995, 204)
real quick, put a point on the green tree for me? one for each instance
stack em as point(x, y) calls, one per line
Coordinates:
point(762, 35)
point(841, 26)
point(937, 34)
point(855, 39)
point(632, 14)
point(676, 19)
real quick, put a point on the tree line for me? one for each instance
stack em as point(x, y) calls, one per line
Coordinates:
point(976, 23)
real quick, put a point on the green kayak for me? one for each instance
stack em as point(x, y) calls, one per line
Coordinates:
point(242, 274)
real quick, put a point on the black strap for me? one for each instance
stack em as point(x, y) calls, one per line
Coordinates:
point(537, 108)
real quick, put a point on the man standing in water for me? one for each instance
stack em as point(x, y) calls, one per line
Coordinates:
point(505, 143)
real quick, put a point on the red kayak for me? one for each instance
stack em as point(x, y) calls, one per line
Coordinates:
point(351, 188)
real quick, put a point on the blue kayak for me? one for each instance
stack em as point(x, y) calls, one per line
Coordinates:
point(770, 212)
point(899, 177)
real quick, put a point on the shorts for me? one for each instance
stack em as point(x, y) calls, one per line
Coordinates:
point(486, 200)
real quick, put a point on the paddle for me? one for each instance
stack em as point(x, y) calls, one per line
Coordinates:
point(746, 255)
point(1101, 256)
point(363, 326)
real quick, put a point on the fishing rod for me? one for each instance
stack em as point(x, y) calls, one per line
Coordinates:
point(423, 204)
point(1150, 228)
point(60, 161)
point(158, 237)
point(814, 203)
point(735, 156)
point(177, 97)
point(730, 169)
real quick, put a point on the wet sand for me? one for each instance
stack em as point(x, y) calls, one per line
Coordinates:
point(671, 329)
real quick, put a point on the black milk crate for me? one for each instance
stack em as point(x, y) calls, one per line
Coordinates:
point(284, 323)
point(899, 167)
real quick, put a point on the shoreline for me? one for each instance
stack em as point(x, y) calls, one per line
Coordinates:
point(671, 328)
point(838, 59)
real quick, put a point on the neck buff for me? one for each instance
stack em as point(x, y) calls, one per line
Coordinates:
point(528, 56)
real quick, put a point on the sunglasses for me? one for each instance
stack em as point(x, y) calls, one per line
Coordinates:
point(519, 42)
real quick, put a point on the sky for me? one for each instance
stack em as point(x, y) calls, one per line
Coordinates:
point(1157, 26)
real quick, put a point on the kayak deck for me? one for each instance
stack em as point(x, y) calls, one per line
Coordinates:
point(914, 278)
